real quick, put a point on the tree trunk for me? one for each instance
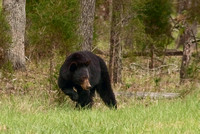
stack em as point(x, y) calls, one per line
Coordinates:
point(186, 39)
point(16, 18)
point(87, 22)
point(151, 65)
point(187, 51)
point(181, 7)
point(115, 63)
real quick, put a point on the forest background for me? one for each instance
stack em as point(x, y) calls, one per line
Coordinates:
point(148, 45)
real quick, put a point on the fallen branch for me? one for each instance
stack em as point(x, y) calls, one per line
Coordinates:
point(154, 69)
point(196, 40)
point(168, 52)
point(152, 95)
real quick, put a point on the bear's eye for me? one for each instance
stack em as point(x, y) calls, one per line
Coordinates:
point(83, 78)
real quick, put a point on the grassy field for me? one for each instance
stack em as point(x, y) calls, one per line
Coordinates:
point(24, 114)
point(27, 106)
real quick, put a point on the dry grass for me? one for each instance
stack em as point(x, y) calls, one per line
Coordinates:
point(136, 77)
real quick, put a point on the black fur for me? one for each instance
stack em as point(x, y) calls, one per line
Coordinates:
point(76, 66)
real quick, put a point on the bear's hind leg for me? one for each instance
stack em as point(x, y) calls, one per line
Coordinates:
point(107, 96)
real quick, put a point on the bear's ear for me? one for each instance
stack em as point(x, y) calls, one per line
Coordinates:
point(87, 63)
point(73, 66)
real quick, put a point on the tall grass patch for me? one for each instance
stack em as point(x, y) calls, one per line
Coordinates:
point(26, 114)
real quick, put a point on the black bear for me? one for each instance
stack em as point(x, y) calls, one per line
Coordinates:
point(81, 75)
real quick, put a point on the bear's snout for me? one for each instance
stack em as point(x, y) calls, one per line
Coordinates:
point(86, 84)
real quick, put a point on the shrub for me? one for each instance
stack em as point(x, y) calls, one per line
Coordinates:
point(51, 25)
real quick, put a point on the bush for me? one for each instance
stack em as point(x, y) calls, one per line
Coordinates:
point(149, 24)
point(51, 25)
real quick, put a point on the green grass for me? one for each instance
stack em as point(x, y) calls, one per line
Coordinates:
point(28, 106)
point(24, 114)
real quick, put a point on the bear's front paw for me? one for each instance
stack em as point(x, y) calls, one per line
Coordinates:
point(74, 97)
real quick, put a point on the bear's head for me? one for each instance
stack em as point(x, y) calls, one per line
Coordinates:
point(80, 74)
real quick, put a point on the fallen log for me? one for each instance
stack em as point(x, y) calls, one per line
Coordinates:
point(168, 52)
point(152, 95)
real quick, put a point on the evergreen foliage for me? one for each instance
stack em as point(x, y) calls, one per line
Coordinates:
point(155, 16)
point(51, 25)
point(149, 24)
